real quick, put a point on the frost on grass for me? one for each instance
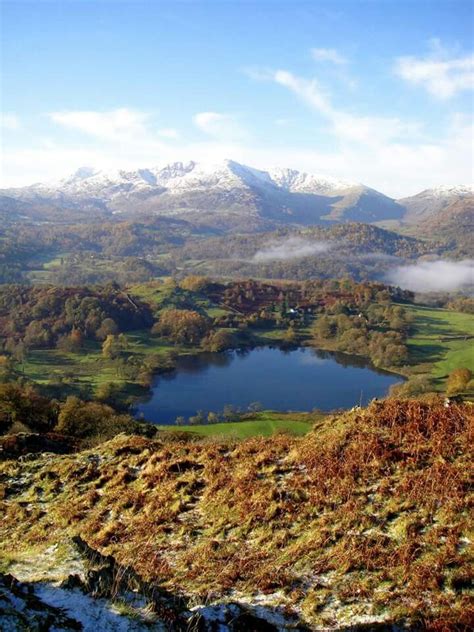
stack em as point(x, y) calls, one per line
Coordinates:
point(363, 520)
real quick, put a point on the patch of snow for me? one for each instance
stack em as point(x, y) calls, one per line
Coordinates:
point(300, 182)
point(94, 614)
point(445, 191)
point(54, 563)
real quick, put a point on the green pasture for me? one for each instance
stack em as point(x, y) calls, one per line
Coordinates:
point(441, 340)
point(263, 424)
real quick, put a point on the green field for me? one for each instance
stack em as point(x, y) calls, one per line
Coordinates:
point(89, 368)
point(163, 295)
point(441, 341)
point(264, 424)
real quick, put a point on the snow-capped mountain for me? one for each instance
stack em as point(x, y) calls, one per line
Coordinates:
point(179, 177)
point(216, 194)
point(298, 182)
point(431, 202)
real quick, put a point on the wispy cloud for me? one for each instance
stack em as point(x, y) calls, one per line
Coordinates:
point(308, 90)
point(112, 125)
point(434, 276)
point(347, 126)
point(330, 55)
point(441, 74)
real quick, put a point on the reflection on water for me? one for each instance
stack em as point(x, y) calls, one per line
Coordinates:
point(291, 379)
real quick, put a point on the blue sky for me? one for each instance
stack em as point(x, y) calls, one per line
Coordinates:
point(375, 91)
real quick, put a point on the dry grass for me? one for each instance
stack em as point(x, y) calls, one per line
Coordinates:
point(369, 513)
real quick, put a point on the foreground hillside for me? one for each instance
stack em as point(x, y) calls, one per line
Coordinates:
point(363, 520)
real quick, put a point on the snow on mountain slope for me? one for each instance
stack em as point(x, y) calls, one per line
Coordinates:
point(178, 177)
point(211, 192)
point(430, 202)
point(447, 190)
point(296, 181)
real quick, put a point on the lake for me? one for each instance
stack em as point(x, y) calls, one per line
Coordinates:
point(299, 379)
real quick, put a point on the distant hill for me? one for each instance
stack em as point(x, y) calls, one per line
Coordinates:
point(453, 223)
point(431, 202)
point(350, 249)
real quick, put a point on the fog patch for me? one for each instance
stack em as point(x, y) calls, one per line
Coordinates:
point(433, 276)
point(291, 248)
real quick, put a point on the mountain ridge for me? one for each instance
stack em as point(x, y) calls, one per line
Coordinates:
point(225, 191)
point(430, 202)
point(233, 195)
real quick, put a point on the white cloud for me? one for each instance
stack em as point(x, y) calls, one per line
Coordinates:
point(112, 125)
point(440, 74)
point(434, 276)
point(309, 90)
point(328, 54)
point(397, 169)
point(386, 153)
point(219, 125)
point(9, 121)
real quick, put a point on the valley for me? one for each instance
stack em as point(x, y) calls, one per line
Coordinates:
point(187, 373)
point(236, 316)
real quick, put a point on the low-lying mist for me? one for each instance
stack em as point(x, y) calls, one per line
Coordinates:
point(290, 248)
point(433, 276)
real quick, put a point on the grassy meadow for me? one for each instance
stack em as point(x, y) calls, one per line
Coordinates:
point(441, 341)
point(263, 424)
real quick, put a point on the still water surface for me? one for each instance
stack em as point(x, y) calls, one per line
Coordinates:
point(298, 379)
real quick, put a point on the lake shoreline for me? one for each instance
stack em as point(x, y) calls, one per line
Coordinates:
point(325, 380)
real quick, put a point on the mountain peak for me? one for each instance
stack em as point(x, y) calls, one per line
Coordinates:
point(84, 172)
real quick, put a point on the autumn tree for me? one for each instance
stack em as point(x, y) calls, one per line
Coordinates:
point(182, 326)
point(88, 419)
point(114, 346)
point(72, 342)
point(108, 327)
point(194, 283)
point(458, 380)
point(219, 340)
point(25, 406)
point(324, 328)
